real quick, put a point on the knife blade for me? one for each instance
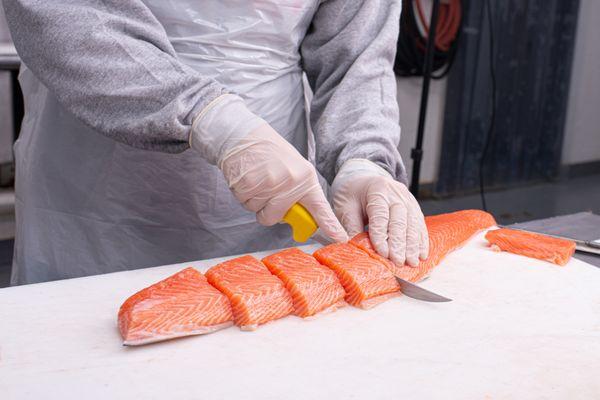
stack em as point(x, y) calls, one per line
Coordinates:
point(304, 227)
point(419, 293)
point(321, 238)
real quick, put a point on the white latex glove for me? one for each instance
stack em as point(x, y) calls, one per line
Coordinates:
point(266, 174)
point(364, 193)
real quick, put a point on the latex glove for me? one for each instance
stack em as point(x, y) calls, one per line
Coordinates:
point(364, 193)
point(266, 174)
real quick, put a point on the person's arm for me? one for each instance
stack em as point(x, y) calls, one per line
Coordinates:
point(111, 64)
point(348, 54)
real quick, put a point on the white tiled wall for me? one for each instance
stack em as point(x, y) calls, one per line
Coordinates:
point(582, 128)
point(4, 35)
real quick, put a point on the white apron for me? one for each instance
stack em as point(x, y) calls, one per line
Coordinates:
point(87, 204)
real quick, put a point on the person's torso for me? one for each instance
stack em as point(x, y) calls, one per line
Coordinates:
point(73, 177)
point(250, 46)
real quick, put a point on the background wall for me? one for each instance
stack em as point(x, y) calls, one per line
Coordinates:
point(4, 35)
point(582, 129)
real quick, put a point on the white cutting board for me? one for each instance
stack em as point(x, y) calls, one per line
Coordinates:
point(517, 329)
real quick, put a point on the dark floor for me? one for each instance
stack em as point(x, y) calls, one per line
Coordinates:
point(508, 206)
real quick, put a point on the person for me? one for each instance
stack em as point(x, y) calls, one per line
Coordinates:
point(159, 132)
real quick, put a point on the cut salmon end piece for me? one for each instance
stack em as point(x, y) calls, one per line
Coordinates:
point(313, 286)
point(447, 233)
point(361, 276)
point(256, 295)
point(160, 338)
point(533, 245)
point(183, 304)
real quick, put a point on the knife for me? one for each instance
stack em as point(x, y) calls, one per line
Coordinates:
point(587, 246)
point(305, 227)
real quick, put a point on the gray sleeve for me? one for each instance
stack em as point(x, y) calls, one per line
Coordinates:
point(348, 56)
point(111, 64)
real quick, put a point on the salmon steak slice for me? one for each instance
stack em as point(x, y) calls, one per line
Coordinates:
point(314, 287)
point(367, 282)
point(533, 245)
point(447, 233)
point(256, 295)
point(183, 304)
point(363, 242)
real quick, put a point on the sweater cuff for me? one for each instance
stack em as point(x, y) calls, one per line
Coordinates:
point(221, 124)
point(358, 167)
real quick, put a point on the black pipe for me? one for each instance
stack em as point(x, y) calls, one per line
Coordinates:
point(417, 153)
point(17, 102)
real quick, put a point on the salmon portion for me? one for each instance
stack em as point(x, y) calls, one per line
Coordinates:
point(447, 232)
point(365, 280)
point(183, 304)
point(256, 295)
point(363, 242)
point(313, 286)
point(534, 245)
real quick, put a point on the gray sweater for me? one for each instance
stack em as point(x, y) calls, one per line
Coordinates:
point(111, 64)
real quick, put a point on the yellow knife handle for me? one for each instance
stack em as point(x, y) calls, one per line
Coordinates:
point(303, 224)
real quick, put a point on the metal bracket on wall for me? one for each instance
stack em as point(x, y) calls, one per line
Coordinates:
point(9, 61)
point(417, 153)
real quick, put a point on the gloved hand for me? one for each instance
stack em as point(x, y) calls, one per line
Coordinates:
point(365, 193)
point(264, 172)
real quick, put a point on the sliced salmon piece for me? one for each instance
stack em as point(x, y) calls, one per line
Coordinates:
point(367, 281)
point(447, 232)
point(363, 242)
point(314, 287)
point(256, 295)
point(534, 245)
point(183, 304)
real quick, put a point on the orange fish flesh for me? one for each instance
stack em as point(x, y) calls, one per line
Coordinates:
point(534, 245)
point(256, 295)
point(313, 286)
point(183, 304)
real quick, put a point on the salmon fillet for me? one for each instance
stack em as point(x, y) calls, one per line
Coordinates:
point(183, 304)
point(447, 232)
point(534, 245)
point(367, 282)
point(256, 295)
point(314, 287)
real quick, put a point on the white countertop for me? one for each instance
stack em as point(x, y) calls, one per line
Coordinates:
point(517, 328)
